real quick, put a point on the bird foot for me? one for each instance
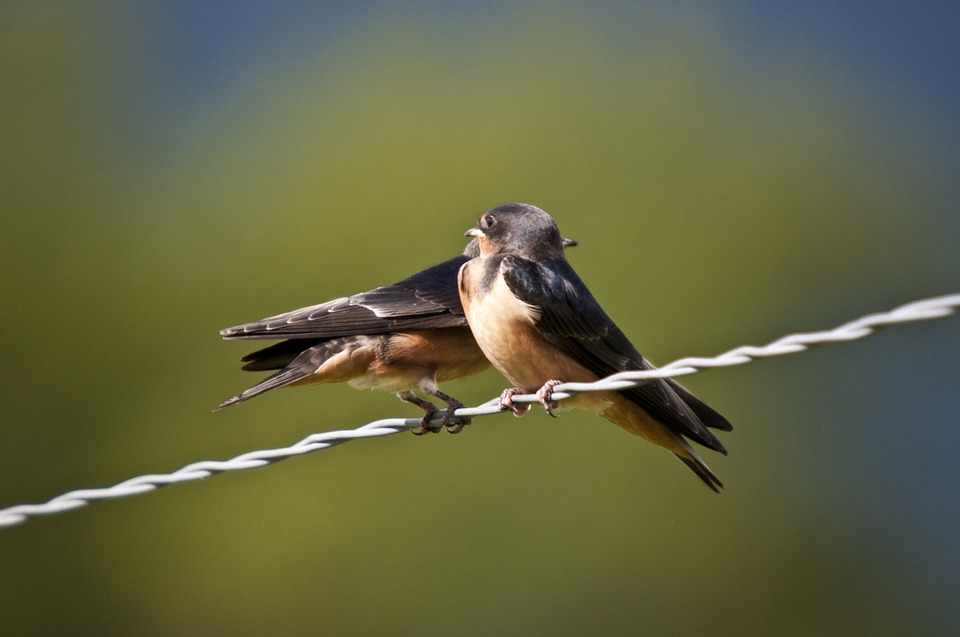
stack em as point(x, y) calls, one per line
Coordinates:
point(426, 426)
point(545, 396)
point(454, 424)
point(506, 402)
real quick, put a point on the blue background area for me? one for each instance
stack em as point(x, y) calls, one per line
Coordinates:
point(908, 51)
point(200, 50)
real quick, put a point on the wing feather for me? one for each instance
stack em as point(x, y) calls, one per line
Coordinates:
point(573, 321)
point(428, 299)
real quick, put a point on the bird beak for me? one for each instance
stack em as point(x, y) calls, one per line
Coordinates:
point(476, 233)
point(570, 243)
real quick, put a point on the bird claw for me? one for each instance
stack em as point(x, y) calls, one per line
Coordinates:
point(426, 426)
point(457, 424)
point(545, 396)
point(506, 402)
point(454, 424)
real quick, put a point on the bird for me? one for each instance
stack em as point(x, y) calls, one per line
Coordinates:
point(538, 324)
point(403, 338)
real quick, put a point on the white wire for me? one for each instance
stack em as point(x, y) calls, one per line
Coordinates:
point(918, 311)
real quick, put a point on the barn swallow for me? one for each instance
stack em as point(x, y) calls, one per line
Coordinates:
point(404, 337)
point(537, 323)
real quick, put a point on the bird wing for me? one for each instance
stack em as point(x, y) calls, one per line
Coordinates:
point(573, 321)
point(428, 299)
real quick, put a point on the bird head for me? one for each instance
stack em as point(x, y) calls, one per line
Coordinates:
point(518, 228)
point(472, 249)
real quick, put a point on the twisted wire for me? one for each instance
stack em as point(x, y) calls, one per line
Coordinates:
point(917, 311)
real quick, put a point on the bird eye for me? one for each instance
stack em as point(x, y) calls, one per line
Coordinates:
point(488, 221)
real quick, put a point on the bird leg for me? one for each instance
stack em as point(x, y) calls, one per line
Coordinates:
point(506, 402)
point(545, 396)
point(454, 424)
point(426, 406)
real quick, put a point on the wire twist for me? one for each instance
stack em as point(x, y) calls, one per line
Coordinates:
point(933, 308)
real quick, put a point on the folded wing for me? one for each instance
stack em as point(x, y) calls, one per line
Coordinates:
point(428, 299)
point(573, 321)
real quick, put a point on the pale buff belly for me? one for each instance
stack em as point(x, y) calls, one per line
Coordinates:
point(504, 328)
point(402, 361)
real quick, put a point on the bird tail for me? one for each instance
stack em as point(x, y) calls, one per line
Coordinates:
point(710, 417)
point(626, 414)
point(699, 467)
point(278, 355)
point(298, 360)
point(281, 379)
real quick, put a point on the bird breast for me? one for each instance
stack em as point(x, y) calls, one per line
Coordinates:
point(505, 329)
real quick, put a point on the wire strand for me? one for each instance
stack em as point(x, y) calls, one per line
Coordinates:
point(932, 308)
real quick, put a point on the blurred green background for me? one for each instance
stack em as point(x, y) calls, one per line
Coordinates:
point(732, 175)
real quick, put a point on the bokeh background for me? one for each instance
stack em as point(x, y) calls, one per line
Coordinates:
point(733, 174)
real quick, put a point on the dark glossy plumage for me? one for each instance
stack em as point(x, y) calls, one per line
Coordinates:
point(425, 303)
point(412, 334)
point(428, 299)
point(572, 320)
point(537, 323)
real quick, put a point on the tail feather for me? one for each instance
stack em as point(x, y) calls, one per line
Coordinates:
point(280, 379)
point(301, 359)
point(707, 414)
point(622, 412)
point(278, 355)
point(703, 472)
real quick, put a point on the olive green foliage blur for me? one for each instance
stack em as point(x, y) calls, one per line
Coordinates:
point(715, 203)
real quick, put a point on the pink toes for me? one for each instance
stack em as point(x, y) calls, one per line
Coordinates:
point(506, 402)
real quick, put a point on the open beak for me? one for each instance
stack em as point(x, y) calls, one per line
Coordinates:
point(474, 232)
point(570, 243)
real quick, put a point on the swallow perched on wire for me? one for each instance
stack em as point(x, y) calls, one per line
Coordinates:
point(537, 323)
point(402, 338)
